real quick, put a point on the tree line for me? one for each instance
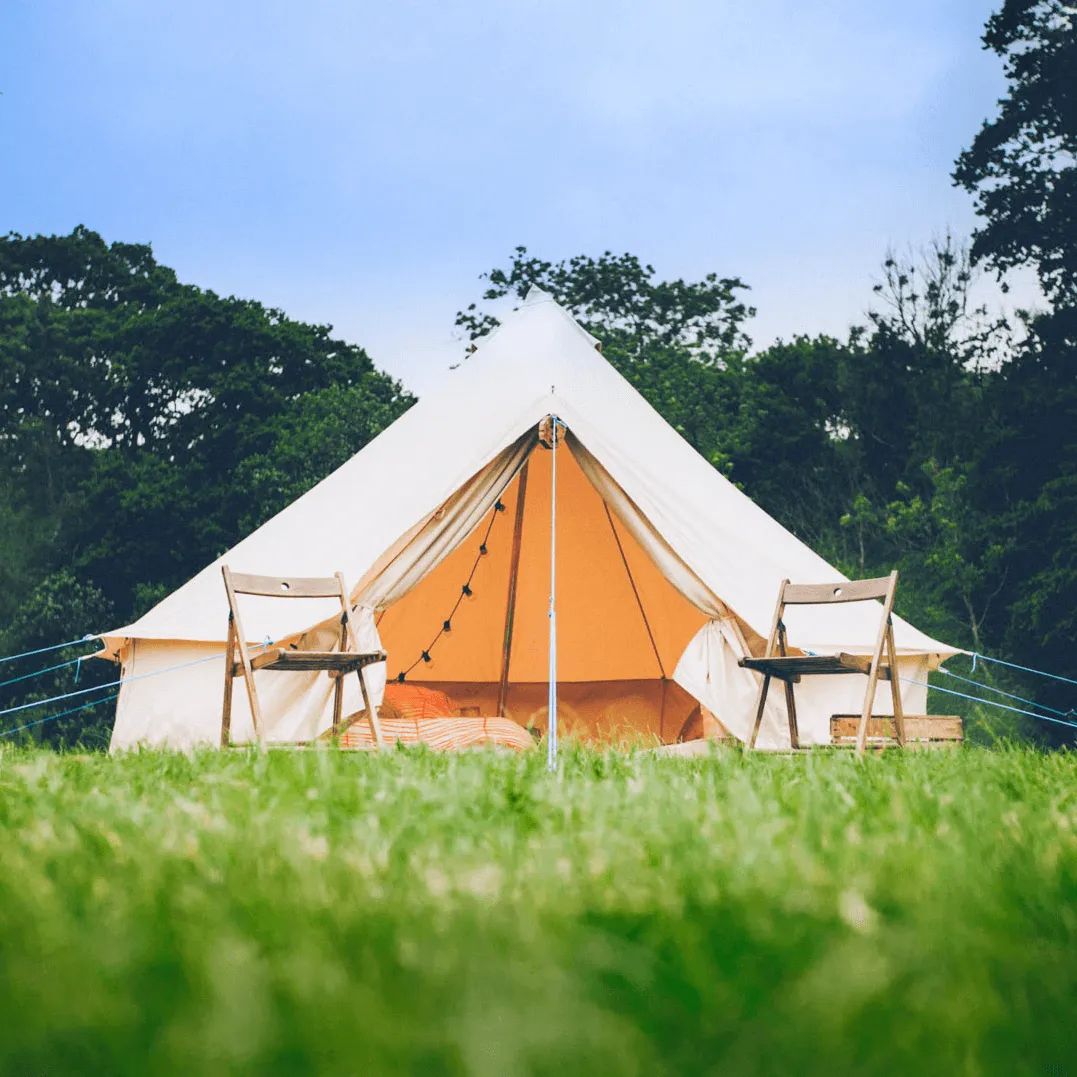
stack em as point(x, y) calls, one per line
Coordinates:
point(146, 425)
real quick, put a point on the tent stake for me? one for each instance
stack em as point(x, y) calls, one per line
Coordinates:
point(551, 706)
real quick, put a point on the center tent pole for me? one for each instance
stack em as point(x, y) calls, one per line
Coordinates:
point(551, 706)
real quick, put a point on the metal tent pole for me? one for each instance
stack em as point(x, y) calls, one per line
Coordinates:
point(551, 706)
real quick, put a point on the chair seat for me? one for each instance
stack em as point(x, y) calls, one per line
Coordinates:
point(337, 663)
point(793, 667)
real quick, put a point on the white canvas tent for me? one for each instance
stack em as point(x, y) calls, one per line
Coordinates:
point(667, 574)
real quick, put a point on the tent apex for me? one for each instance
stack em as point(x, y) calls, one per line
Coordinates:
point(535, 294)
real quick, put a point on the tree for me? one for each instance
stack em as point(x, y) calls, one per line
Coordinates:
point(785, 438)
point(1022, 168)
point(616, 298)
point(916, 402)
point(1022, 165)
point(912, 385)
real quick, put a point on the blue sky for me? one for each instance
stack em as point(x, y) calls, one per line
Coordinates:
point(362, 164)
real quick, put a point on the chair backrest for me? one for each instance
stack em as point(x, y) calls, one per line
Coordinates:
point(283, 587)
point(240, 583)
point(817, 594)
point(822, 594)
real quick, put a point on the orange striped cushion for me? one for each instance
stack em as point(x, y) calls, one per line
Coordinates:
point(441, 734)
point(414, 701)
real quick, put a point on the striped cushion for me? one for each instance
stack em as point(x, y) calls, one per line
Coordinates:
point(441, 734)
point(414, 701)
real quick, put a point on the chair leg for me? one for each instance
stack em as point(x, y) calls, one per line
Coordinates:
point(256, 707)
point(869, 702)
point(790, 700)
point(342, 645)
point(895, 686)
point(885, 627)
point(764, 688)
point(791, 712)
point(371, 712)
point(229, 681)
point(338, 705)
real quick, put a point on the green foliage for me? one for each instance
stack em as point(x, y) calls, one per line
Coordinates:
point(147, 425)
point(320, 432)
point(617, 298)
point(414, 913)
point(786, 437)
point(43, 619)
point(1022, 165)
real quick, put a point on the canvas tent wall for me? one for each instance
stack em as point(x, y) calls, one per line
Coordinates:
point(397, 519)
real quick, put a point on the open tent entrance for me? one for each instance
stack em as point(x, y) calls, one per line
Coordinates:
point(621, 625)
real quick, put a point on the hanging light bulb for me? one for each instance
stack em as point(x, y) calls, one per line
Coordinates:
point(482, 550)
point(446, 626)
point(426, 657)
point(466, 591)
point(499, 505)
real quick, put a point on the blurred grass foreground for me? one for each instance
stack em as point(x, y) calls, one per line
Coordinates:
point(334, 913)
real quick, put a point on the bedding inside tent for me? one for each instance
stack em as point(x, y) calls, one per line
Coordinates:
point(622, 627)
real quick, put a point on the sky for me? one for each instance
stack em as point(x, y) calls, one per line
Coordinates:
point(362, 164)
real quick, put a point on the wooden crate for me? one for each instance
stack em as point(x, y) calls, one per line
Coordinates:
point(921, 731)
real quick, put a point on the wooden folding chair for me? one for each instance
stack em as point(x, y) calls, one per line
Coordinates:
point(790, 668)
point(346, 659)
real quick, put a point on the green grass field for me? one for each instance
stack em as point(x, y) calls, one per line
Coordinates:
point(320, 912)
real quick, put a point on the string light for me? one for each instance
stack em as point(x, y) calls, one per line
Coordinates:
point(466, 591)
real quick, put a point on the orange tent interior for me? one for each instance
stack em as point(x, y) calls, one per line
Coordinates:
point(621, 627)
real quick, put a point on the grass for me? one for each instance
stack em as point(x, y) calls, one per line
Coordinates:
point(320, 912)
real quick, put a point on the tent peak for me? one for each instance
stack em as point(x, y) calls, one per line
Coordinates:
point(535, 294)
point(551, 312)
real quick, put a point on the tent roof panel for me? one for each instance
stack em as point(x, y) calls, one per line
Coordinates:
point(538, 362)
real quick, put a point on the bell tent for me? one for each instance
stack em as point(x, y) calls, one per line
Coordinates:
point(666, 574)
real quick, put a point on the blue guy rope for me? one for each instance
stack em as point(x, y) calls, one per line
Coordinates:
point(44, 650)
point(991, 703)
point(1008, 695)
point(110, 684)
point(1024, 669)
point(50, 717)
point(40, 672)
